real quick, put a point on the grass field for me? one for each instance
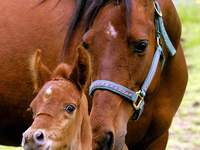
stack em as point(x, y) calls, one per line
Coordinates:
point(9, 148)
point(185, 129)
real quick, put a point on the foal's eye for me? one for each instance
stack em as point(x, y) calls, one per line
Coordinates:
point(140, 46)
point(70, 108)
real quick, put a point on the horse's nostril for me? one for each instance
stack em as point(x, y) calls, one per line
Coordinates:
point(108, 141)
point(38, 137)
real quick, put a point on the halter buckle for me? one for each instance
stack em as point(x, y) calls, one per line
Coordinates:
point(138, 105)
point(139, 100)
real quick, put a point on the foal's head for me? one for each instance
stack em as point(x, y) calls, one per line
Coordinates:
point(60, 110)
point(122, 41)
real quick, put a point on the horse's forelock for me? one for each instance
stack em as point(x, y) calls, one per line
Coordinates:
point(128, 13)
point(92, 9)
point(80, 5)
point(87, 9)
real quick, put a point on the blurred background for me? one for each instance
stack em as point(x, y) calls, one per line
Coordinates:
point(185, 129)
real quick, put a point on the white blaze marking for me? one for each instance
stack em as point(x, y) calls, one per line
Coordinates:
point(111, 30)
point(47, 94)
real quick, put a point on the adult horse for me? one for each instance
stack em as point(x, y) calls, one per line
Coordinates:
point(24, 27)
point(134, 62)
point(60, 109)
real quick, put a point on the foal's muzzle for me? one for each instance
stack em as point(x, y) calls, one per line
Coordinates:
point(34, 140)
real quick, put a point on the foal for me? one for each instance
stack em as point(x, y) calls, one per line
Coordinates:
point(60, 109)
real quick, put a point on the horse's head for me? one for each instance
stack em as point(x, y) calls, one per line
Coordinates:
point(122, 41)
point(60, 110)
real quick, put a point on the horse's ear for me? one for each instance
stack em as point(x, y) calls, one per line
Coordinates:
point(40, 73)
point(82, 70)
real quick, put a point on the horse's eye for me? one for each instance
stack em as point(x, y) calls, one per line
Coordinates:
point(140, 46)
point(70, 108)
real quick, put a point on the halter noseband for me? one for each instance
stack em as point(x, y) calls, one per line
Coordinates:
point(137, 98)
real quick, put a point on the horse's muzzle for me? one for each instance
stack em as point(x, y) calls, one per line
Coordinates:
point(105, 142)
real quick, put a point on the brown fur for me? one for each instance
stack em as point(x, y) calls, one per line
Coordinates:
point(66, 131)
point(114, 59)
point(26, 26)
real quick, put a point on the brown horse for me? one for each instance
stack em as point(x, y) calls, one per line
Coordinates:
point(128, 48)
point(60, 109)
point(24, 27)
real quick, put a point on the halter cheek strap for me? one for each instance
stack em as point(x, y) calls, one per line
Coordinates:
point(137, 97)
point(161, 28)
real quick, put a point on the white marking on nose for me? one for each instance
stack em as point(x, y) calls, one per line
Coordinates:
point(111, 30)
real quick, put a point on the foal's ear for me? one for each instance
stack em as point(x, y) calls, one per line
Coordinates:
point(79, 72)
point(82, 70)
point(40, 73)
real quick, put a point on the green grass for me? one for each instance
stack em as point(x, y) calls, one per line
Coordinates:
point(185, 130)
point(9, 148)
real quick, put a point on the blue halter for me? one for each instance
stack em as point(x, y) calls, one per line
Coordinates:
point(137, 98)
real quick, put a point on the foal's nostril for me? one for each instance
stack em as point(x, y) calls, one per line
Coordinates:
point(108, 141)
point(38, 137)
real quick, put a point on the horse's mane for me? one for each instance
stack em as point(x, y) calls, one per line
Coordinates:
point(80, 5)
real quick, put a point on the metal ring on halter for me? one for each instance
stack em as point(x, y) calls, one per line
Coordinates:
point(139, 100)
point(158, 40)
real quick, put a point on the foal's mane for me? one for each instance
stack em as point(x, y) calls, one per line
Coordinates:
point(87, 10)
